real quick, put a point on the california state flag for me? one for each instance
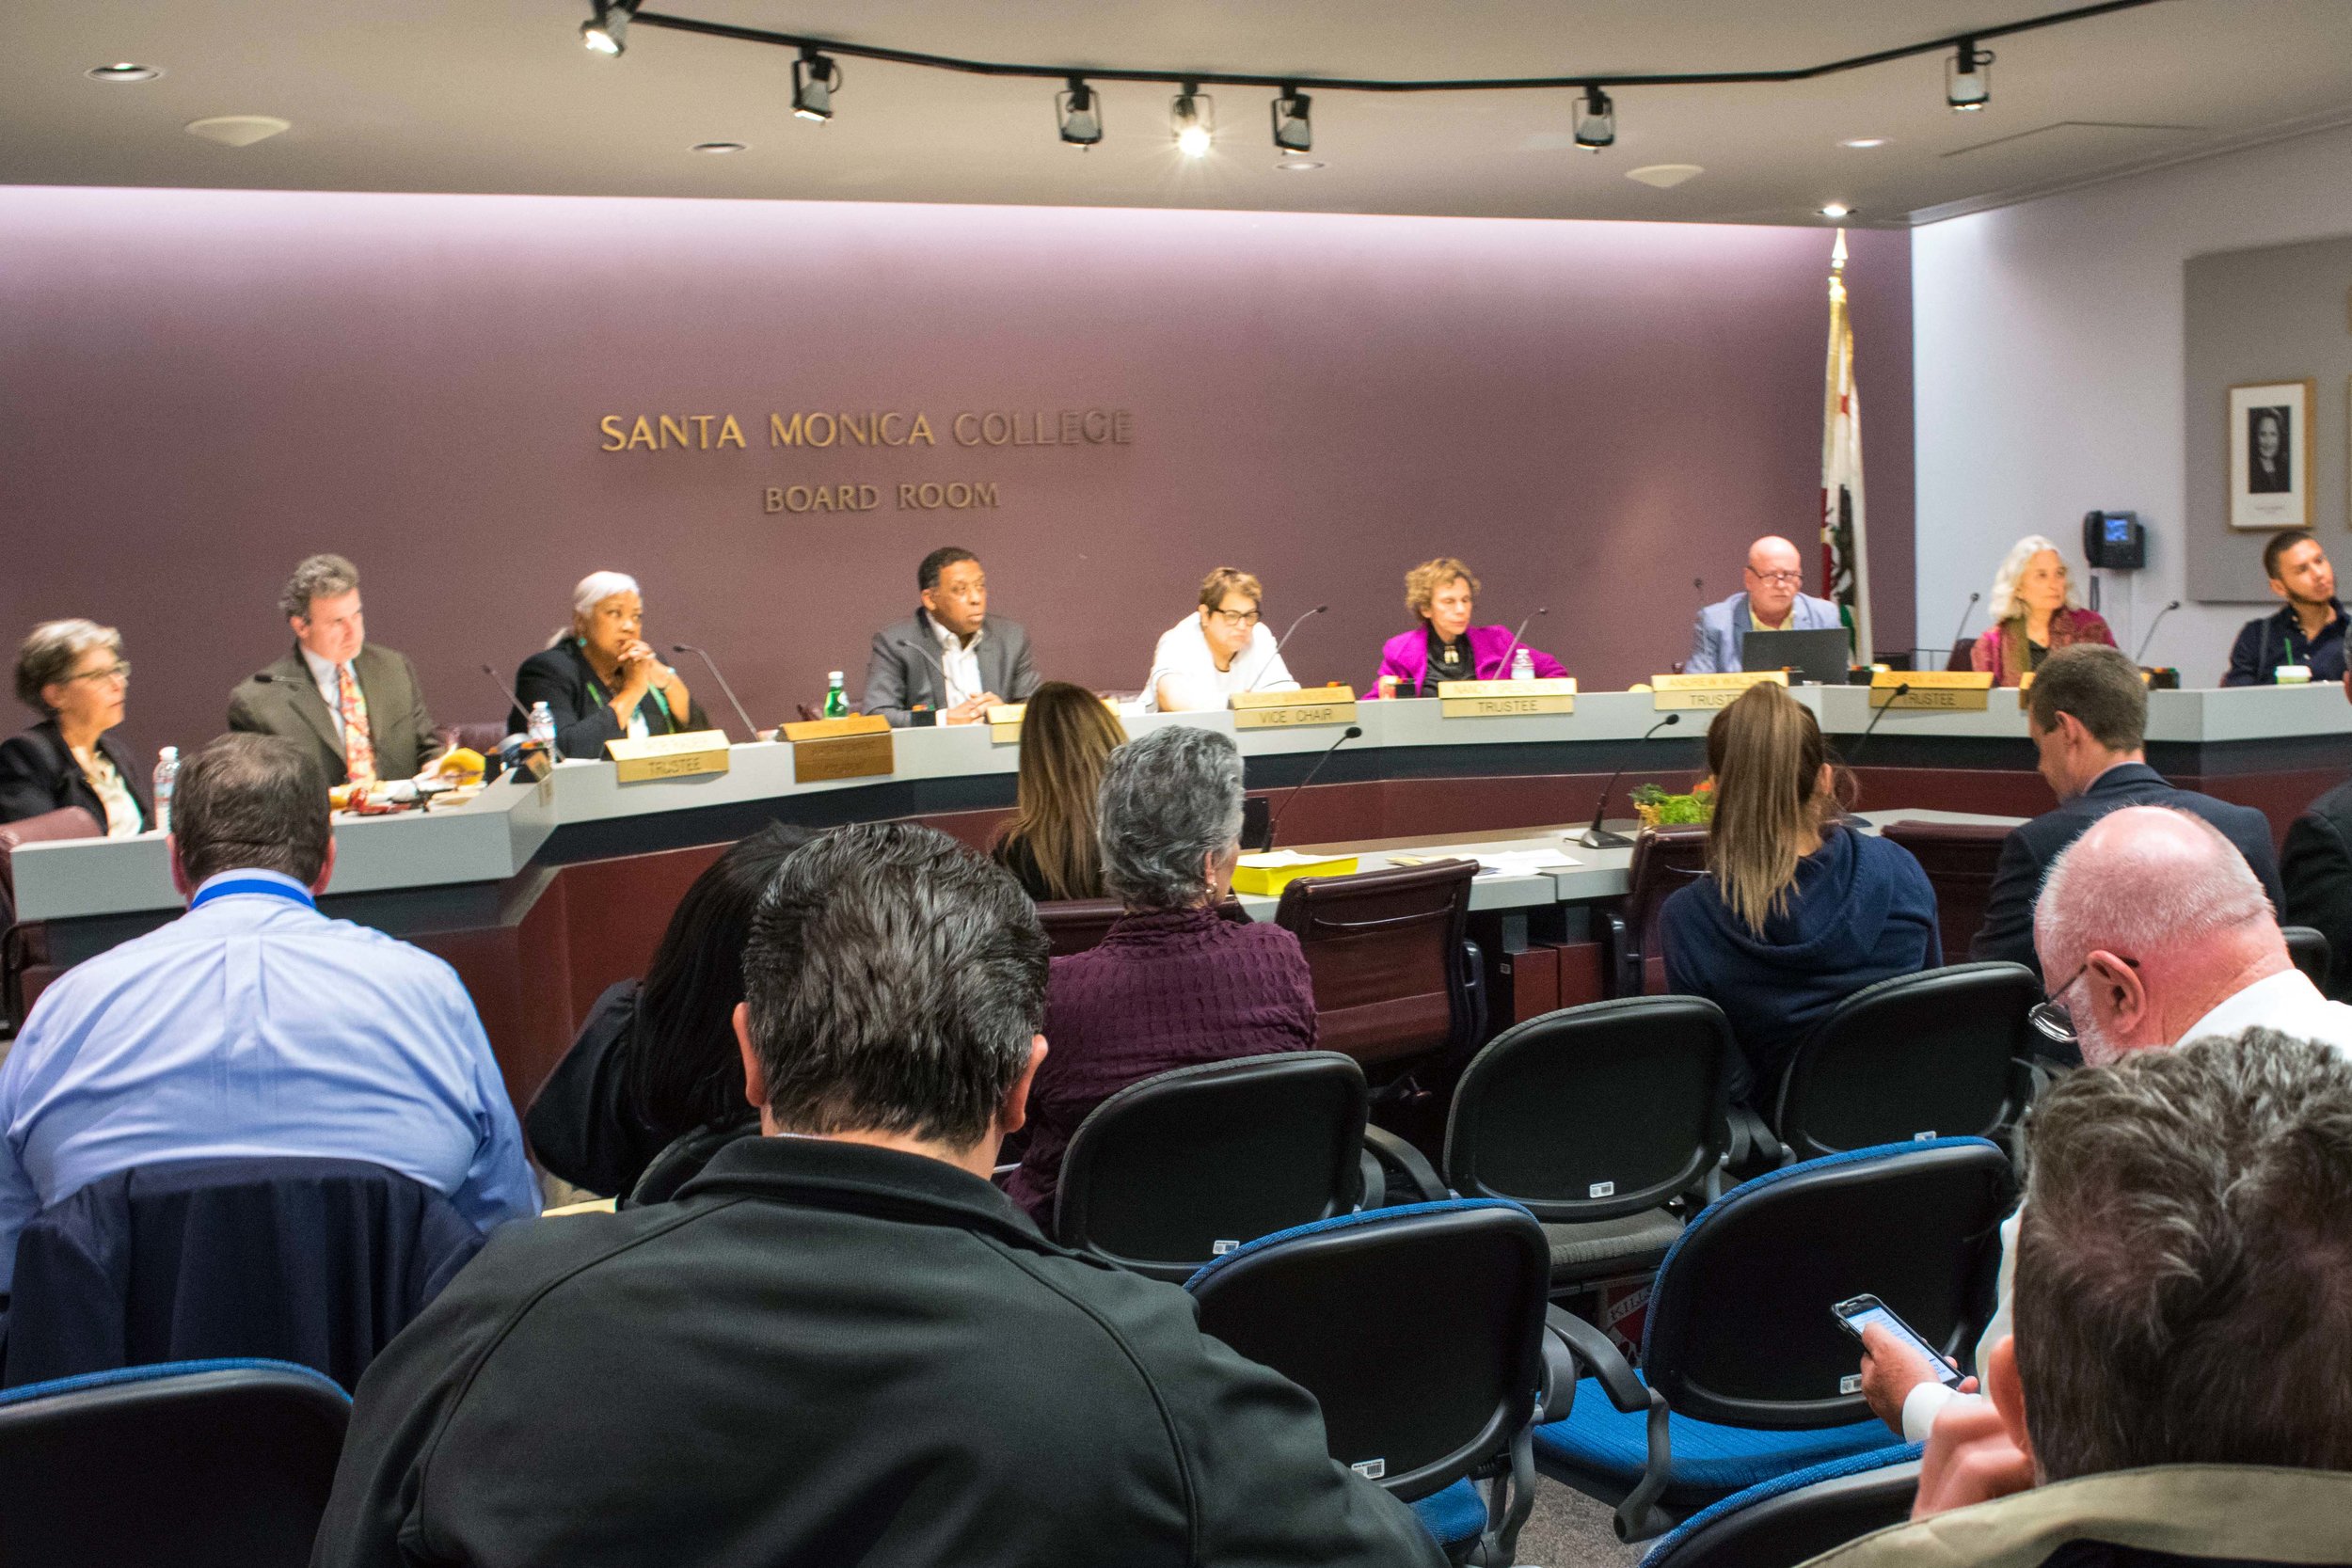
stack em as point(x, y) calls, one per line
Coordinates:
point(1845, 557)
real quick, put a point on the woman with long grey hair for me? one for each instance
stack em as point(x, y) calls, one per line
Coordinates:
point(1175, 983)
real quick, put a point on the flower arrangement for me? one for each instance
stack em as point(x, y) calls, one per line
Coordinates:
point(1658, 809)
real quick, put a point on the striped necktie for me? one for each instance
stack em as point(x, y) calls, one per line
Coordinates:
point(358, 746)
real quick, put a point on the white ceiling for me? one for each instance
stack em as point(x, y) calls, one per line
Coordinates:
point(499, 96)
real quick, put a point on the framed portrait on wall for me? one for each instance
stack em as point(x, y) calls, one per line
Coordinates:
point(2270, 456)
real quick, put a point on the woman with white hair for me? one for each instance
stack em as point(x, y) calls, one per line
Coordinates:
point(73, 673)
point(2034, 609)
point(601, 679)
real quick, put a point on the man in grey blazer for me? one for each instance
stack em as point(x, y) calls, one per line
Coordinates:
point(951, 654)
point(1773, 600)
point(355, 706)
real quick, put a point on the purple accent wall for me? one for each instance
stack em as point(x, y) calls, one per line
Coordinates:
point(198, 388)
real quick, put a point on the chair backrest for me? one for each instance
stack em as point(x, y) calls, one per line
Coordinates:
point(2308, 949)
point(48, 828)
point(1169, 1172)
point(1739, 1326)
point(1417, 1329)
point(1963, 656)
point(1918, 1056)
point(1665, 860)
point(1959, 859)
point(1385, 948)
point(315, 1262)
point(1796, 1517)
point(1594, 1111)
point(200, 1464)
point(1074, 925)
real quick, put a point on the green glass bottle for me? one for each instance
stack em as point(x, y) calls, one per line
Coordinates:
point(836, 700)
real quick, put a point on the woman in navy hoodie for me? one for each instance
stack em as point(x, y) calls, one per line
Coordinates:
point(1796, 912)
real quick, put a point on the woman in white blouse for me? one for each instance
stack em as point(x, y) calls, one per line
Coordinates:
point(1221, 648)
point(72, 673)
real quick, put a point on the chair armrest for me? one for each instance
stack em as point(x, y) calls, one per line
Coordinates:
point(1595, 1351)
point(1402, 1160)
point(1752, 1142)
point(1474, 987)
point(1624, 978)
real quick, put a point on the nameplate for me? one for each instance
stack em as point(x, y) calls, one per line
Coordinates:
point(1670, 694)
point(2147, 677)
point(1506, 699)
point(670, 756)
point(1932, 691)
point(1281, 711)
point(856, 747)
point(1004, 720)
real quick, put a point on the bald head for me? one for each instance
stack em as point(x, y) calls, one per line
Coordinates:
point(1774, 577)
point(2168, 915)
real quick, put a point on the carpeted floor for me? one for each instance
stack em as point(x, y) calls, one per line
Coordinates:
point(1569, 1529)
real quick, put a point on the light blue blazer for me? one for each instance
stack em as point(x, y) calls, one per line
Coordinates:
point(1721, 628)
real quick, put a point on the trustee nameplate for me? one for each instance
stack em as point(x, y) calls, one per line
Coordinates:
point(1931, 690)
point(668, 756)
point(1671, 694)
point(1506, 698)
point(1275, 710)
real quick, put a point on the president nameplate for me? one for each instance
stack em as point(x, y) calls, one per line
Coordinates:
point(1506, 699)
point(1285, 710)
point(668, 756)
point(856, 747)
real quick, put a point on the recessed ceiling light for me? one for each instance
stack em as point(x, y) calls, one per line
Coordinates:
point(238, 130)
point(1863, 141)
point(122, 71)
point(1836, 210)
point(1665, 177)
point(715, 147)
point(1298, 165)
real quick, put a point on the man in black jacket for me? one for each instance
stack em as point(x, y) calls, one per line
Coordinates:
point(2087, 715)
point(841, 1344)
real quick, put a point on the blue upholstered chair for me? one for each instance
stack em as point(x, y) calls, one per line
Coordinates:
point(1796, 1517)
point(200, 1464)
point(1745, 1374)
point(1419, 1330)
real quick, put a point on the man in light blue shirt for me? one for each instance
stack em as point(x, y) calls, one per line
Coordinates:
point(255, 1027)
point(1772, 599)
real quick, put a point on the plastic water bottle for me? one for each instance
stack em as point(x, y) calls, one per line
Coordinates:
point(542, 726)
point(837, 697)
point(1522, 666)
point(166, 782)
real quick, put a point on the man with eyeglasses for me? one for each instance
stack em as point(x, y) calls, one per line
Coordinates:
point(2161, 933)
point(1223, 647)
point(1772, 599)
point(951, 659)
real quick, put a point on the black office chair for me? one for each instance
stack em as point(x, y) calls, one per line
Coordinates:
point(1604, 1120)
point(198, 1464)
point(1176, 1169)
point(1940, 1053)
point(2308, 949)
point(1420, 1331)
point(1798, 1516)
point(1745, 1374)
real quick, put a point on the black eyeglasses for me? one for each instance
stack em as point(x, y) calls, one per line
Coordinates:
point(2050, 1016)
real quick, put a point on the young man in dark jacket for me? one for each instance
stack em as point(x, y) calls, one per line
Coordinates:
point(841, 1344)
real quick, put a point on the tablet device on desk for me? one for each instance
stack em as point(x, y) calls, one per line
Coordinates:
point(1816, 656)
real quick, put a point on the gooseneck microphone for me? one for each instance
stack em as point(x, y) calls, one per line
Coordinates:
point(1276, 822)
point(1281, 642)
point(506, 691)
point(2151, 630)
point(1869, 729)
point(1965, 611)
point(750, 729)
point(1598, 837)
point(1502, 669)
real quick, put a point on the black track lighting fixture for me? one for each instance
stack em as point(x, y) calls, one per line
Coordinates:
point(1596, 120)
point(1081, 114)
point(815, 80)
point(607, 31)
point(1292, 131)
point(1968, 78)
point(1192, 120)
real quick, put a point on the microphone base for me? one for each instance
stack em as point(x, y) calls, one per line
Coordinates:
point(1598, 837)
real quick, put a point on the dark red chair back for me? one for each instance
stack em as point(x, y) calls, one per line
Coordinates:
point(1386, 950)
point(23, 946)
point(1664, 860)
point(1074, 925)
point(1959, 859)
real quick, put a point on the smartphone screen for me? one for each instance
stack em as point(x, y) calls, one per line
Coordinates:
point(1862, 1312)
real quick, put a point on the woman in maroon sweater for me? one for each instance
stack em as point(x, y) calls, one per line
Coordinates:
point(1173, 984)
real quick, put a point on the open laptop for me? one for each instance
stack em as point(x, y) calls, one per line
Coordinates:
point(1817, 658)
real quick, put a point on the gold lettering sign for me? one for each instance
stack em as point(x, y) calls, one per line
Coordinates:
point(670, 756)
point(1681, 693)
point(1937, 690)
point(1506, 699)
point(1279, 710)
point(856, 747)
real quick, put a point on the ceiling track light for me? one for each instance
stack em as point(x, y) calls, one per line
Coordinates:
point(1596, 120)
point(815, 79)
point(1968, 78)
point(1292, 131)
point(607, 31)
point(1192, 120)
point(1080, 111)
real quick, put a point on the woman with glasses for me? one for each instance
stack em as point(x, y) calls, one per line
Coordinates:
point(2034, 609)
point(1223, 648)
point(1797, 911)
point(73, 673)
point(1442, 595)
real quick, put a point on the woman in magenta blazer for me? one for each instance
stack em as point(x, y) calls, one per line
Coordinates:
point(1445, 647)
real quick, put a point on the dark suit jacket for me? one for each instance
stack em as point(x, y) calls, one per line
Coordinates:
point(562, 678)
point(2316, 866)
point(38, 774)
point(288, 704)
point(904, 668)
point(820, 1353)
point(2026, 853)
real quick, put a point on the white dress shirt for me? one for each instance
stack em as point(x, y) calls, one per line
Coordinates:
point(960, 661)
point(1184, 659)
point(328, 675)
point(2286, 1001)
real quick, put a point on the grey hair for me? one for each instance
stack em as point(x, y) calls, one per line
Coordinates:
point(1170, 801)
point(2185, 1261)
point(2004, 602)
point(50, 652)
point(322, 577)
point(894, 982)
point(2138, 893)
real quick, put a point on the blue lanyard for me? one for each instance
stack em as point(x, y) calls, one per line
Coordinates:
point(252, 884)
